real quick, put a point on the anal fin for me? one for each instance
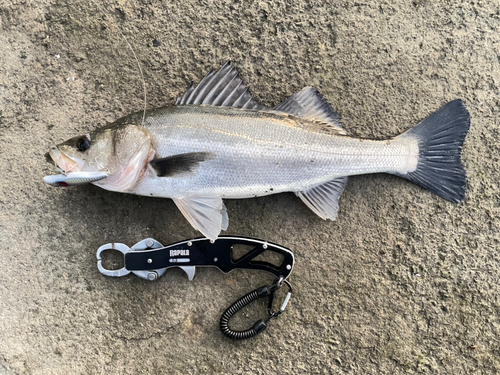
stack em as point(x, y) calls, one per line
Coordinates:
point(323, 200)
point(206, 214)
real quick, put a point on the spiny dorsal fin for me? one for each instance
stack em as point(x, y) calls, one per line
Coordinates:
point(309, 104)
point(223, 88)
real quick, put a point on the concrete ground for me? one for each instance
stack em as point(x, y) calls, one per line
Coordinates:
point(402, 282)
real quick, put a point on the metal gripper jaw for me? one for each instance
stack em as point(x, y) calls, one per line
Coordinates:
point(146, 244)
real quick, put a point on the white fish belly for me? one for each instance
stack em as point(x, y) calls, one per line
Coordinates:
point(255, 154)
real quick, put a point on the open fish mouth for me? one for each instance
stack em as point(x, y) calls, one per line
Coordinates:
point(71, 171)
point(62, 162)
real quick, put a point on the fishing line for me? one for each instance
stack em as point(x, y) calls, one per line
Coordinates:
point(106, 14)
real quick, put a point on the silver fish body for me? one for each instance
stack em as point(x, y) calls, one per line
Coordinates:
point(218, 142)
point(256, 153)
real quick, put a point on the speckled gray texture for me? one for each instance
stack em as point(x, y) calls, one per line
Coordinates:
point(402, 282)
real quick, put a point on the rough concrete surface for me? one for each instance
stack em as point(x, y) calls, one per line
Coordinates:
point(402, 282)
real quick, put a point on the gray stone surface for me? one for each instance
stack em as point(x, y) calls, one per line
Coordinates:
point(402, 282)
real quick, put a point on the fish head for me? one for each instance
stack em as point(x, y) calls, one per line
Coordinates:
point(121, 151)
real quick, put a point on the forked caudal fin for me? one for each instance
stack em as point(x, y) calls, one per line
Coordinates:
point(440, 138)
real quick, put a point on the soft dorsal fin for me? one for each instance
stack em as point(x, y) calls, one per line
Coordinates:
point(223, 88)
point(309, 104)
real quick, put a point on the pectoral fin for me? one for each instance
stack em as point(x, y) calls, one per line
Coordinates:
point(206, 214)
point(324, 199)
point(172, 165)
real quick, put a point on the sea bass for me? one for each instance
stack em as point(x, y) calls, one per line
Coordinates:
point(218, 142)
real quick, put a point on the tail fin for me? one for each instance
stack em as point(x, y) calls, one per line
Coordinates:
point(440, 138)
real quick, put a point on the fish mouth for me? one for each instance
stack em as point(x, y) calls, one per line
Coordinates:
point(63, 163)
point(71, 169)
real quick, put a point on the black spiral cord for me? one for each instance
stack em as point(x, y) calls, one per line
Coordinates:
point(259, 325)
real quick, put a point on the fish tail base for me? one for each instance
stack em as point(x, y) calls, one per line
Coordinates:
point(440, 139)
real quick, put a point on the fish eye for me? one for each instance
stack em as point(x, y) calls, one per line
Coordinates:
point(83, 143)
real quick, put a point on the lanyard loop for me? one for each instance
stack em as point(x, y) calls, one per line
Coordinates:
point(260, 325)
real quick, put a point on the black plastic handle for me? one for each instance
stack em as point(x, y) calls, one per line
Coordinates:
point(201, 252)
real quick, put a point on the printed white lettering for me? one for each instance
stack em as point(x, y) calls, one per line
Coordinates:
point(176, 253)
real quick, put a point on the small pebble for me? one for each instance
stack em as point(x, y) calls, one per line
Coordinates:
point(156, 43)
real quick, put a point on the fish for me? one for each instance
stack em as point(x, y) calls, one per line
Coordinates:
point(217, 142)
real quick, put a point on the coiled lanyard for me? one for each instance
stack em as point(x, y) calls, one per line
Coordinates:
point(260, 325)
point(149, 260)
